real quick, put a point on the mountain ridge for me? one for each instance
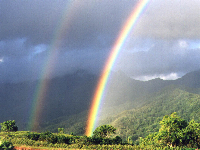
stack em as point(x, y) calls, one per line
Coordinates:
point(71, 94)
point(144, 120)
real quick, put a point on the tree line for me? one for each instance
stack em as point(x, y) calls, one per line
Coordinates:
point(174, 132)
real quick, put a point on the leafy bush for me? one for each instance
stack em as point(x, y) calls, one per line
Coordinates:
point(117, 140)
point(5, 145)
point(33, 136)
point(174, 132)
point(97, 140)
point(61, 130)
point(104, 131)
point(49, 137)
point(63, 139)
point(9, 126)
point(107, 141)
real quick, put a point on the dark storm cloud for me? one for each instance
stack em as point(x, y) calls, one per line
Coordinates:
point(32, 66)
point(83, 32)
point(29, 19)
point(29, 30)
point(86, 21)
point(95, 24)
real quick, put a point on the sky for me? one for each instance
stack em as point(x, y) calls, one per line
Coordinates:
point(69, 35)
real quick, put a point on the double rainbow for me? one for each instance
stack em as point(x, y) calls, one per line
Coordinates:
point(42, 87)
point(135, 14)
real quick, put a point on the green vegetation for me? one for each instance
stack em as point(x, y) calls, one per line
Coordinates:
point(104, 131)
point(6, 145)
point(135, 122)
point(61, 130)
point(174, 133)
point(140, 116)
point(57, 140)
point(144, 120)
point(8, 126)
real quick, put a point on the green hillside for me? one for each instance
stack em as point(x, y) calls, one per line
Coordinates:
point(133, 122)
point(140, 122)
point(72, 124)
point(135, 110)
point(133, 107)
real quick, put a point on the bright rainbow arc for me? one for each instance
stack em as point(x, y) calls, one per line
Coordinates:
point(131, 21)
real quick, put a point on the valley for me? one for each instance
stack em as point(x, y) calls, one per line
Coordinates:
point(133, 107)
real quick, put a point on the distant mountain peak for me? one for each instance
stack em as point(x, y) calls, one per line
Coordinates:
point(191, 79)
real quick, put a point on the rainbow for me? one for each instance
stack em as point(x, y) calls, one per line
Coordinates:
point(131, 21)
point(48, 67)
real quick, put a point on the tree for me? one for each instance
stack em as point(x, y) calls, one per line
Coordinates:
point(5, 145)
point(174, 132)
point(190, 136)
point(61, 130)
point(117, 140)
point(9, 126)
point(104, 131)
point(171, 126)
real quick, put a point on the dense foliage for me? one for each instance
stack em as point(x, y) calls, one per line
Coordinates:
point(140, 116)
point(8, 126)
point(174, 133)
point(104, 131)
point(57, 140)
point(144, 120)
point(6, 145)
point(143, 127)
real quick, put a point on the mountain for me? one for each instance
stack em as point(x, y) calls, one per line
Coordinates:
point(191, 79)
point(143, 120)
point(133, 106)
point(66, 95)
point(124, 95)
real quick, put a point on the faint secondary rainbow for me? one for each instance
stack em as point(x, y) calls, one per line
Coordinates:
point(48, 67)
point(131, 21)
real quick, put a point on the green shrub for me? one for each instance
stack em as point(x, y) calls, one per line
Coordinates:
point(61, 130)
point(84, 140)
point(49, 137)
point(8, 126)
point(63, 139)
point(104, 131)
point(33, 136)
point(5, 145)
point(97, 140)
point(117, 140)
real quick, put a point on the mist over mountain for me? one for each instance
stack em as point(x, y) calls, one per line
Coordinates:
point(66, 95)
point(191, 79)
point(70, 95)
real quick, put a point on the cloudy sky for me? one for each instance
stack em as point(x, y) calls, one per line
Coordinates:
point(67, 35)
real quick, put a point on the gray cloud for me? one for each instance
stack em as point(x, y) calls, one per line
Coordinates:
point(38, 65)
point(88, 23)
point(170, 19)
point(82, 23)
point(82, 33)
point(164, 57)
